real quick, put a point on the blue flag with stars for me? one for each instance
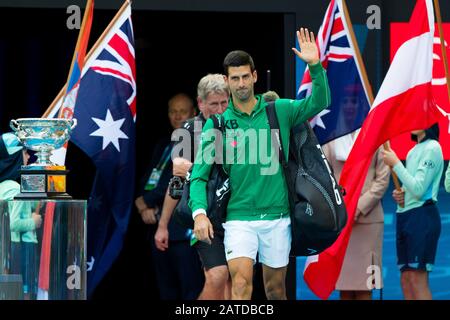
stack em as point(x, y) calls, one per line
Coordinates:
point(106, 114)
point(350, 101)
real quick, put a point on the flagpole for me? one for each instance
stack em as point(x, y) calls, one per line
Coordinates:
point(59, 96)
point(358, 53)
point(365, 78)
point(80, 34)
point(88, 55)
point(441, 36)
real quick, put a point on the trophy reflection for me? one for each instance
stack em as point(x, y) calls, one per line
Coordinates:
point(43, 179)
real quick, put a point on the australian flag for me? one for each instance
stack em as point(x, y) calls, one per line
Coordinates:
point(106, 114)
point(349, 93)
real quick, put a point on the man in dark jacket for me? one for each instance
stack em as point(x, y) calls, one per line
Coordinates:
point(178, 270)
point(212, 98)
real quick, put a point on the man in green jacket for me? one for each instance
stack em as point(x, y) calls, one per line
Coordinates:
point(258, 210)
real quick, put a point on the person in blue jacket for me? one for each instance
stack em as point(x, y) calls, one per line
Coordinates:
point(418, 220)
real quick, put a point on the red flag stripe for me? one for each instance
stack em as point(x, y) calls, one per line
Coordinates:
point(328, 20)
point(337, 26)
point(421, 23)
point(339, 56)
point(122, 48)
point(44, 265)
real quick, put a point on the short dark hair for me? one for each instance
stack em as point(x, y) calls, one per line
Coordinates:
point(432, 132)
point(238, 58)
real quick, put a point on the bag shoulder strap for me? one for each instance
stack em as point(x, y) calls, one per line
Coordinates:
point(278, 143)
point(219, 122)
point(275, 125)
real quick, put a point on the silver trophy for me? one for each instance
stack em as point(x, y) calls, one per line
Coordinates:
point(43, 179)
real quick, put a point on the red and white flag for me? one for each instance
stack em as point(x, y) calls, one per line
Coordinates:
point(403, 143)
point(403, 103)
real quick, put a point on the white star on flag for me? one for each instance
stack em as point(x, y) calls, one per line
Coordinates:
point(109, 130)
point(317, 120)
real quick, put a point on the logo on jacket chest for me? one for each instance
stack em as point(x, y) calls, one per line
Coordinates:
point(231, 124)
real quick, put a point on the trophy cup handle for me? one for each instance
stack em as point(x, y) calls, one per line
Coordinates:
point(74, 124)
point(14, 125)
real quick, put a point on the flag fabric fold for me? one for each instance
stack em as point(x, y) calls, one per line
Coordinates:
point(402, 144)
point(403, 103)
point(350, 101)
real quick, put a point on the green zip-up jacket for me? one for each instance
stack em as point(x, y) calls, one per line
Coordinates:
point(258, 188)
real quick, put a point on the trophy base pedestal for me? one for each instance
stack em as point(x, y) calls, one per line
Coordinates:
point(43, 182)
point(58, 254)
point(42, 195)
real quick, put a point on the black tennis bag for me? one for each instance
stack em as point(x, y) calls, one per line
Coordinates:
point(318, 212)
point(218, 194)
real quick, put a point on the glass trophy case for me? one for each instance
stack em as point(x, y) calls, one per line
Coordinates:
point(43, 249)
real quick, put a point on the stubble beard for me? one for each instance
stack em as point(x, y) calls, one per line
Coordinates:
point(243, 95)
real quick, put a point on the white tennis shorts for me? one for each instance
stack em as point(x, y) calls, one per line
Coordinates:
point(271, 239)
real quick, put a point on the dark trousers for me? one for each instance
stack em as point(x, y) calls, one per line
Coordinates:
point(24, 262)
point(178, 271)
